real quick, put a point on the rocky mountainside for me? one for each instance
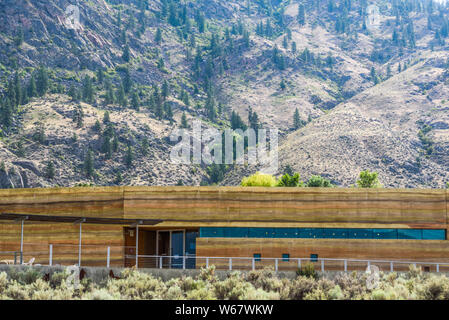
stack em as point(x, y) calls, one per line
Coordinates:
point(97, 104)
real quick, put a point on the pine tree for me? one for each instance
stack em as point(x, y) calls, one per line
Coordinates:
point(42, 81)
point(283, 85)
point(109, 96)
point(121, 98)
point(89, 163)
point(88, 90)
point(165, 89)
point(301, 15)
point(294, 47)
point(184, 123)
point(135, 101)
point(100, 75)
point(32, 91)
point(18, 89)
point(126, 81)
point(168, 111)
point(126, 54)
point(129, 157)
point(296, 120)
point(50, 170)
point(118, 178)
point(106, 117)
point(158, 36)
point(145, 146)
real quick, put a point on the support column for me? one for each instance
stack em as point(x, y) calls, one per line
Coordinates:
point(137, 246)
point(81, 221)
point(79, 244)
point(21, 242)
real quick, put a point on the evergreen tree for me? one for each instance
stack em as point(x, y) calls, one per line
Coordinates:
point(135, 101)
point(126, 54)
point(294, 47)
point(145, 146)
point(301, 15)
point(129, 157)
point(109, 96)
point(50, 170)
point(297, 123)
point(121, 98)
point(42, 81)
point(158, 36)
point(88, 90)
point(165, 89)
point(126, 81)
point(184, 123)
point(118, 178)
point(89, 163)
point(32, 90)
point(100, 75)
point(106, 117)
point(78, 116)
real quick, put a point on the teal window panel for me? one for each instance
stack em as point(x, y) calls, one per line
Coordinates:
point(360, 233)
point(286, 257)
point(212, 232)
point(260, 232)
point(311, 233)
point(409, 234)
point(257, 257)
point(235, 232)
point(428, 234)
point(286, 233)
point(313, 257)
point(330, 233)
point(385, 233)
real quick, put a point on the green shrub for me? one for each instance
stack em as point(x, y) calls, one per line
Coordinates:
point(307, 270)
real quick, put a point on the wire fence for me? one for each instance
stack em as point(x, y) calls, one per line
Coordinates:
point(120, 256)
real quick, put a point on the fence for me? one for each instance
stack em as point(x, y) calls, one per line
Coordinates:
point(283, 264)
point(120, 256)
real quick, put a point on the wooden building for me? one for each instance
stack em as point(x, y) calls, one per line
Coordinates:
point(387, 224)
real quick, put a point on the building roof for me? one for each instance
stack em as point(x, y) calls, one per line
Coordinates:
point(72, 219)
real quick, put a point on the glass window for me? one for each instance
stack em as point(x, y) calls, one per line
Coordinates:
point(257, 257)
point(313, 257)
point(286, 257)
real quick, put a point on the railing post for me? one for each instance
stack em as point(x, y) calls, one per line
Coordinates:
point(391, 266)
point(160, 262)
point(322, 265)
point(438, 267)
point(346, 265)
point(108, 260)
point(207, 262)
point(254, 264)
point(230, 263)
point(50, 254)
point(299, 263)
point(184, 262)
point(369, 266)
point(15, 257)
point(276, 264)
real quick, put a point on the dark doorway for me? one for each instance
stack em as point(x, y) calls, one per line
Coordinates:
point(163, 243)
point(147, 247)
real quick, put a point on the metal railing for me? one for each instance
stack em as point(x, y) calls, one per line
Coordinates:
point(11, 257)
point(282, 264)
point(120, 256)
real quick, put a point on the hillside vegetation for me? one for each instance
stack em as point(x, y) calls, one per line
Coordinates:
point(96, 105)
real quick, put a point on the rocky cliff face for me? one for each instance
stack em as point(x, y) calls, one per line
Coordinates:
point(367, 98)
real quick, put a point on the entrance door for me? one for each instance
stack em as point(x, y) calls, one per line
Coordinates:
point(177, 246)
point(164, 248)
point(190, 249)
